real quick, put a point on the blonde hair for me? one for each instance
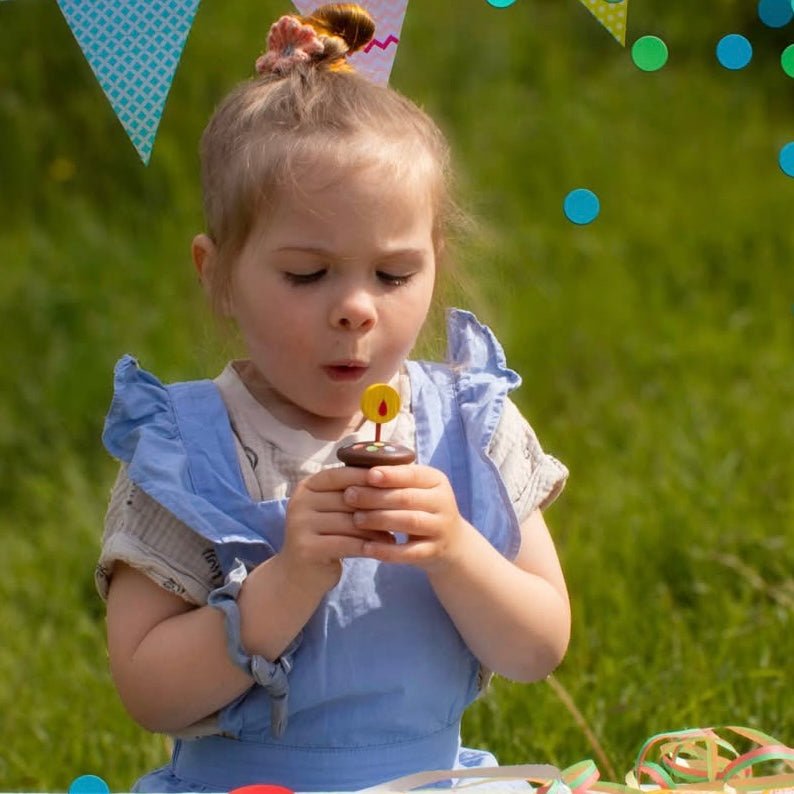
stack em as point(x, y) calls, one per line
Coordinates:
point(270, 129)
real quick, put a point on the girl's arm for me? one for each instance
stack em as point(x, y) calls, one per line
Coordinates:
point(514, 615)
point(169, 659)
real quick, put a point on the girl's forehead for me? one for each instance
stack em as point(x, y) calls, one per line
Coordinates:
point(364, 186)
point(324, 162)
point(347, 210)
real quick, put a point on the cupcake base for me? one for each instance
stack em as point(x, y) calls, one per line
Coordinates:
point(366, 454)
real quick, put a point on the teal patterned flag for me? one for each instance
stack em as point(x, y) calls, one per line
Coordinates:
point(133, 48)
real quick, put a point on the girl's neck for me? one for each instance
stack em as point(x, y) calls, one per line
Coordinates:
point(291, 415)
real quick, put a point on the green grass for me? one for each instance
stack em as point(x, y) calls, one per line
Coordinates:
point(656, 347)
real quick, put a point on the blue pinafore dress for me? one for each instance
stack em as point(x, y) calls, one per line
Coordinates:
point(379, 677)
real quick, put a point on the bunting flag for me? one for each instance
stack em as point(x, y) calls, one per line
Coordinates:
point(612, 14)
point(133, 48)
point(375, 61)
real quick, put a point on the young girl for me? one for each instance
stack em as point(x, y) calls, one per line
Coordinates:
point(259, 608)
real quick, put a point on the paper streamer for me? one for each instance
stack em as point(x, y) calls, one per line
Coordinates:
point(375, 61)
point(612, 14)
point(133, 48)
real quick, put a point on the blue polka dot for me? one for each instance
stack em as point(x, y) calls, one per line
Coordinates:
point(89, 784)
point(734, 51)
point(775, 13)
point(786, 159)
point(501, 3)
point(581, 206)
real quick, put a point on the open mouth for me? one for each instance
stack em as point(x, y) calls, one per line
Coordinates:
point(345, 372)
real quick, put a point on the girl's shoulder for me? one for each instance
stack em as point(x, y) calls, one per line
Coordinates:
point(141, 403)
point(533, 478)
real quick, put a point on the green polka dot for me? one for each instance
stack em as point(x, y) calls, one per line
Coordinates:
point(787, 60)
point(649, 53)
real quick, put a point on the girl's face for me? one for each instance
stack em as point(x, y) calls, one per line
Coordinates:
point(330, 292)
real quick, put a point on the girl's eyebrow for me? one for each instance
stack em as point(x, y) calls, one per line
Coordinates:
point(303, 249)
point(401, 253)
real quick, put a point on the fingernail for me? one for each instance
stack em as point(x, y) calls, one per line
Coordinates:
point(376, 475)
point(351, 494)
point(358, 518)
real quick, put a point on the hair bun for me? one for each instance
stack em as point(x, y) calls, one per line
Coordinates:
point(349, 21)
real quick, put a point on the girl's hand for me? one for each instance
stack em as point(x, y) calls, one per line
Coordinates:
point(320, 530)
point(415, 500)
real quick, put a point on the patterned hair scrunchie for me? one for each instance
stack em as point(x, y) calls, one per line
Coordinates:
point(289, 43)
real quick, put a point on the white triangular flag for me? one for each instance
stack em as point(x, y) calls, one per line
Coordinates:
point(374, 61)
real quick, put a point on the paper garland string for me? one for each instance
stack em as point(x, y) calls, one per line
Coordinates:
point(133, 49)
point(375, 61)
point(612, 14)
point(691, 761)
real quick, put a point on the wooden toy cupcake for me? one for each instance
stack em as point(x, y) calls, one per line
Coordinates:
point(380, 403)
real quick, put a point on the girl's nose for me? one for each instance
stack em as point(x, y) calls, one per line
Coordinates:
point(354, 311)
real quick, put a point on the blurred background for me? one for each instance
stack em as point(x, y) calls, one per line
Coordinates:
point(655, 345)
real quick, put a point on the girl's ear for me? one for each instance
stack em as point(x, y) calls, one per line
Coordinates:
point(205, 260)
point(202, 249)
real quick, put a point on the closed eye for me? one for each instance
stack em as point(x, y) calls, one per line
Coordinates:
point(304, 278)
point(392, 279)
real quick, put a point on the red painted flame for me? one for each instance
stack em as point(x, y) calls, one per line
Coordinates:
point(383, 409)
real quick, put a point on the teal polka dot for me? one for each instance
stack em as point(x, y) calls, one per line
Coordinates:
point(501, 3)
point(89, 784)
point(786, 159)
point(581, 206)
point(775, 13)
point(734, 51)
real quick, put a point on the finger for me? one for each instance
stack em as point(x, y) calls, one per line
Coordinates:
point(332, 524)
point(405, 476)
point(369, 498)
point(335, 479)
point(336, 547)
point(409, 522)
point(322, 501)
point(413, 552)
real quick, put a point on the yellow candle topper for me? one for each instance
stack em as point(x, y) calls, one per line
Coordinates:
point(380, 403)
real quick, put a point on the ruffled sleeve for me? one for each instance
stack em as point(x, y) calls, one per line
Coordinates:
point(144, 535)
point(483, 378)
point(533, 478)
point(178, 446)
point(525, 476)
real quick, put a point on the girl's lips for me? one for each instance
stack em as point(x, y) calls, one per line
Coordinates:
point(344, 372)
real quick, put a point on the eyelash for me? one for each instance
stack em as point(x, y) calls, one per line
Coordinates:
point(302, 279)
point(394, 281)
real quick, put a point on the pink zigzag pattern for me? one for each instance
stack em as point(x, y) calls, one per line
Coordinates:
point(382, 45)
point(374, 62)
